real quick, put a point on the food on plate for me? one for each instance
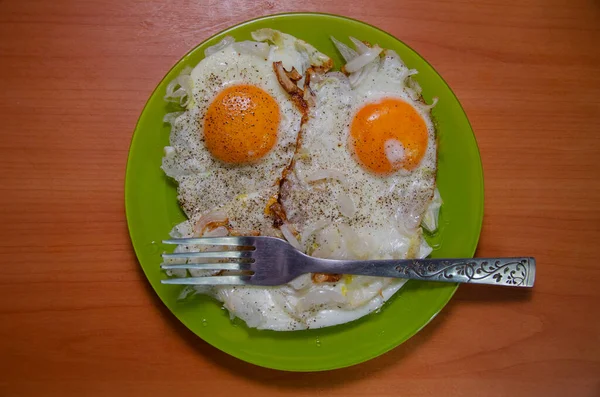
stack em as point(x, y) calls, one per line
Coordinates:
point(360, 190)
point(341, 164)
point(238, 131)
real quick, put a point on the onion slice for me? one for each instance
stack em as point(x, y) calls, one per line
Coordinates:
point(227, 40)
point(318, 297)
point(358, 77)
point(346, 205)
point(313, 228)
point(282, 76)
point(413, 88)
point(170, 117)
point(289, 236)
point(260, 50)
point(347, 53)
point(180, 89)
point(327, 174)
point(361, 47)
point(244, 232)
point(357, 245)
point(294, 75)
point(213, 217)
point(363, 59)
point(428, 108)
point(220, 231)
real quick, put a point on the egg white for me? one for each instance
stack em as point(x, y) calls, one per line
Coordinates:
point(342, 211)
point(387, 211)
point(206, 183)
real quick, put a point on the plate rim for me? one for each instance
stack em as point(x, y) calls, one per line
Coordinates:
point(127, 191)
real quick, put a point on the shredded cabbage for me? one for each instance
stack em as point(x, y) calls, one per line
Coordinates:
point(282, 40)
point(431, 216)
point(180, 89)
point(359, 62)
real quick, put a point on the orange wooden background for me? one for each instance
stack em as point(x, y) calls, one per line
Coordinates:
point(76, 314)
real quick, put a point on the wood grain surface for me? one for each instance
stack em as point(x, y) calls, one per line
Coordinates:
point(77, 317)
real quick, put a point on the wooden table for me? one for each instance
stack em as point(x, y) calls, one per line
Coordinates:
point(77, 316)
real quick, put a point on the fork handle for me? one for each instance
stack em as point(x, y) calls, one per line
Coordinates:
point(510, 272)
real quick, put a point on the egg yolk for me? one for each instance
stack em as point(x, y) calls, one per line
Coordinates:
point(241, 124)
point(388, 135)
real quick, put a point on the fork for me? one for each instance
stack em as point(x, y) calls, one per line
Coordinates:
point(270, 261)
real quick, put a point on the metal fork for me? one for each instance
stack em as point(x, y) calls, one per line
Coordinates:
point(270, 261)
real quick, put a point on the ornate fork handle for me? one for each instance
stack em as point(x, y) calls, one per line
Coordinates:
point(510, 272)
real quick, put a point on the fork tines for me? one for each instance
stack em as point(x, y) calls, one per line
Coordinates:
point(238, 260)
point(241, 241)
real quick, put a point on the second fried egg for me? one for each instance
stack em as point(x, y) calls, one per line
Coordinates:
point(373, 174)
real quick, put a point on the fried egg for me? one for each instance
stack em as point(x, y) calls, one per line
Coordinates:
point(363, 178)
point(238, 132)
point(374, 170)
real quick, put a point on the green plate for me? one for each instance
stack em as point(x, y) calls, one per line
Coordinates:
point(152, 211)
